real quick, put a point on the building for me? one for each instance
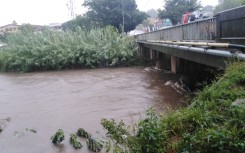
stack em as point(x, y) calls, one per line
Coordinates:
point(9, 28)
point(57, 26)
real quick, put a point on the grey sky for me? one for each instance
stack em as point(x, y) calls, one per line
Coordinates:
point(43, 12)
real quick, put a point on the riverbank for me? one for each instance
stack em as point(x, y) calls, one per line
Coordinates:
point(213, 122)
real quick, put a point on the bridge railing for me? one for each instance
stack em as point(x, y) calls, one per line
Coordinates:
point(201, 30)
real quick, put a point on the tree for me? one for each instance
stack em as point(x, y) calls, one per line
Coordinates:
point(14, 22)
point(242, 2)
point(152, 13)
point(80, 21)
point(113, 12)
point(226, 4)
point(208, 10)
point(174, 9)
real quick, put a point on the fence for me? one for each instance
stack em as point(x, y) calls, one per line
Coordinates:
point(201, 30)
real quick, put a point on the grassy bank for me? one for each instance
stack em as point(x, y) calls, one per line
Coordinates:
point(210, 124)
point(54, 50)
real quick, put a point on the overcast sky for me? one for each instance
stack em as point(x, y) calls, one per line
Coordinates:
point(43, 12)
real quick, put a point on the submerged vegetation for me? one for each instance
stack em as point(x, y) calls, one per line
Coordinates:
point(58, 137)
point(74, 142)
point(212, 122)
point(94, 145)
point(82, 133)
point(48, 49)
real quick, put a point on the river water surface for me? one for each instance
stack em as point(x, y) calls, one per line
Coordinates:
point(68, 100)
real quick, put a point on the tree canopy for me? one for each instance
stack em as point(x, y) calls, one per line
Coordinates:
point(102, 13)
point(243, 2)
point(174, 9)
point(80, 21)
point(152, 13)
point(227, 4)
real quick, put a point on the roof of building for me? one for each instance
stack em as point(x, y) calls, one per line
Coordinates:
point(9, 25)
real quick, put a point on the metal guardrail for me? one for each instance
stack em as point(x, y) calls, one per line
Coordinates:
point(222, 53)
point(201, 30)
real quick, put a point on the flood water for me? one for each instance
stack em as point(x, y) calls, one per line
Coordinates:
point(68, 100)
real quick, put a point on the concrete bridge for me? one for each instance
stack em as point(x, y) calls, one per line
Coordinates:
point(209, 42)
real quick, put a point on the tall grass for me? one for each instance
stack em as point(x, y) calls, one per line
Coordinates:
point(54, 50)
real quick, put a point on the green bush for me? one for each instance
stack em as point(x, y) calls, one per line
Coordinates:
point(149, 137)
point(28, 50)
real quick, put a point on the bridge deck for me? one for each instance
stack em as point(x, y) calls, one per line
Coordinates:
point(225, 27)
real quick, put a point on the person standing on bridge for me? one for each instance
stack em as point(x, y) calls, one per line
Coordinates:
point(186, 17)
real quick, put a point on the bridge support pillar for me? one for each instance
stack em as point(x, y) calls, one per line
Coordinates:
point(174, 64)
point(140, 50)
point(153, 54)
point(143, 52)
point(178, 65)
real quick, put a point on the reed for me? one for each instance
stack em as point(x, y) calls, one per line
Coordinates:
point(28, 50)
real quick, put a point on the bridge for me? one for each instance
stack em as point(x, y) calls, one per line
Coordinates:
point(208, 42)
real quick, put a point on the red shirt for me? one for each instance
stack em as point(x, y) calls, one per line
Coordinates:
point(185, 17)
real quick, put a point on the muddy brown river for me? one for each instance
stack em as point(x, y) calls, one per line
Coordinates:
point(33, 106)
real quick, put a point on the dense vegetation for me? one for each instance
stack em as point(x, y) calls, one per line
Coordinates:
point(227, 4)
point(175, 9)
point(109, 12)
point(28, 50)
point(212, 122)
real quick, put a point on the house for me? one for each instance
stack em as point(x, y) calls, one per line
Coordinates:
point(9, 28)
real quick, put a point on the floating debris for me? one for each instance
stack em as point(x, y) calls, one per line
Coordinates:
point(2, 126)
point(58, 137)
point(19, 134)
point(75, 143)
point(31, 130)
point(82, 133)
point(148, 69)
point(3, 123)
point(94, 145)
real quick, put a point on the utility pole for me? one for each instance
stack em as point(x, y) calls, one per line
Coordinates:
point(122, 15)
point(71, 8)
